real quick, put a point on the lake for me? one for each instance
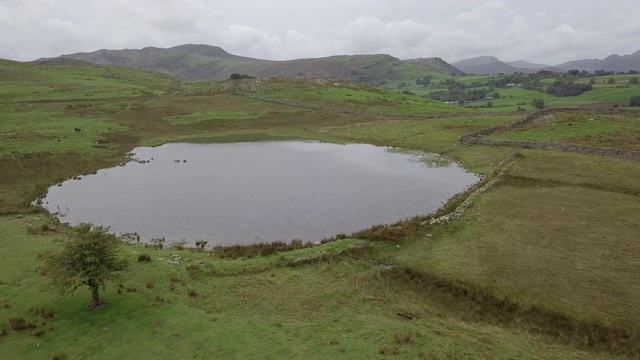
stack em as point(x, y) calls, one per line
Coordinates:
point(243, 193)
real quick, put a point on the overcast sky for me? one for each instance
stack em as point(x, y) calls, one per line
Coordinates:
point(541, 31)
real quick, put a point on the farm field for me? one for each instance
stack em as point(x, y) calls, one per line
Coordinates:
point(541, 264)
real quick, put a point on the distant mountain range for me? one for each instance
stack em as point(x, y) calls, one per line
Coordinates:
point(491, 65)
point(205, 62)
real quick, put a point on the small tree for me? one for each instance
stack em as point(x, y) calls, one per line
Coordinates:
point(538, 103)
point(89, 258)
point(236, 76)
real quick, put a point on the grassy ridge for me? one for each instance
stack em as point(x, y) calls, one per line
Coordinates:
point(555, 235)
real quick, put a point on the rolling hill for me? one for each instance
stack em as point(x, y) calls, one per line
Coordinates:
point(491, 65)
point(204, 62)
point(610, 63)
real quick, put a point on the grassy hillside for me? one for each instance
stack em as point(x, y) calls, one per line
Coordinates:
point(202, 62)
point(543, 264)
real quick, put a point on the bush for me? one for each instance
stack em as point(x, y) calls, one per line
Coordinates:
point(44, 313)
point(634, 101)
point(143, 257)
point(538, 103)
point(194, 271)
point(192, 293)
point(37, 332)
point(200, 245)
point(403, 338)
point(21, 324)
point(236, 76)
point(179, 245)
point(38, 229)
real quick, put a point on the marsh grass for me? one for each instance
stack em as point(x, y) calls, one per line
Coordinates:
point(258, 249)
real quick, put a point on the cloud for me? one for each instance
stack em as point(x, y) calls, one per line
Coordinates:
point(254, 42)
point(543, 31)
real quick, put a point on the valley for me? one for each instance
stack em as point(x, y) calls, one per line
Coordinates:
point(537, 260)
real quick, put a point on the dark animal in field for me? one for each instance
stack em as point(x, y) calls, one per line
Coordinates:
point(77, 129)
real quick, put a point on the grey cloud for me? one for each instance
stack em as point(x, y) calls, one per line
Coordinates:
point(548, 31)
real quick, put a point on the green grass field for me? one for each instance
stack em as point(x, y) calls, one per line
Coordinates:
point(543, 265)
point(594, 129)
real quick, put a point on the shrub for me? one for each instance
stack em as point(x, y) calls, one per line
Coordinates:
point(143, 257)
point(161, 299)
point(236, 76)
point(149, 285)
point(538, 103)
point(192, 293)
point(19, 323)
point(37, 332)
point(194, 271)
point(179, 245)
point(296, 244)
point(157, 243)
point(44, 313)
point(403, 338)
point(389, 351)
point(200, 245)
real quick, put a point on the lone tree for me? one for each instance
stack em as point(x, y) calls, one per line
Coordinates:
point(89, 258)
point(538, 103)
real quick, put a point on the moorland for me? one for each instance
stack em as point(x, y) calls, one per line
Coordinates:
point(538, 261)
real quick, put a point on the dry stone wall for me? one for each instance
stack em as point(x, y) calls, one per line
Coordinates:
point(476, 137)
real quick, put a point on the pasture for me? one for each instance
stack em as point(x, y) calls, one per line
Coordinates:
point(543, 264)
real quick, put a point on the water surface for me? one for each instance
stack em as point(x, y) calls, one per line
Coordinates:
point(263, 191)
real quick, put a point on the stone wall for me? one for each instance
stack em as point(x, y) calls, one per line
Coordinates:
point(476, 137)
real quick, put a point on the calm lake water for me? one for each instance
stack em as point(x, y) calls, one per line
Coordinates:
point(261, 191)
